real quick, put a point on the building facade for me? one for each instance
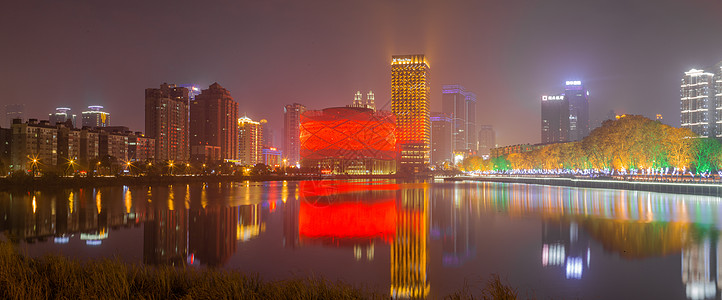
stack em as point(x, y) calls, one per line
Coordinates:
point(555, 119)
point(34, 145)
point(487, 140)
point(410, 92)
point(141, 148)
point(95, 117)
point(460, 105)
point(699, 110)
point(442, 139)
point(250, 140)
point(292, 133)
point(271, 157)
point(166, 121)
point(213, 126)
point(348, 140)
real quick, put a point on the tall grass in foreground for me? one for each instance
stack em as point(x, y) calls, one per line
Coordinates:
point(53, 277)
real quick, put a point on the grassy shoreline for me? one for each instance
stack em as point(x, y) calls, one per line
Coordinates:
point(54, 277)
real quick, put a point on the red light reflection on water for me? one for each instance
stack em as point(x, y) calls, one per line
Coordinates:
point(348, 220)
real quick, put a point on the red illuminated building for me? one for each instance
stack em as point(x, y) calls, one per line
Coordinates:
point(349, 140)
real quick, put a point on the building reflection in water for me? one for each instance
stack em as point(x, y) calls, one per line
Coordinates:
point(701, 268)
point(453, 223)
point(409, 250)
point(165, 230)
point(563, 247)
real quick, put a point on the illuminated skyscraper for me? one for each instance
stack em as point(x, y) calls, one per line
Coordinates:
point(250, 140)
point(578, 98)
point(410, 103)
point(555, 119)
point(166, 120)
point(460, 105)
point(698, 109)
point(62, 115)
point(292, 132)
point(95, 117)
point(213, 125)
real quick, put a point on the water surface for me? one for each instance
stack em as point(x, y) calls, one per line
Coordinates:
point(399, 238)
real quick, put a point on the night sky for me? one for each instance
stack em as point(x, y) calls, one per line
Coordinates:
point(630, 54)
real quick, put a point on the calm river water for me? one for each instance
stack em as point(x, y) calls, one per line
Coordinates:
point(400, 238)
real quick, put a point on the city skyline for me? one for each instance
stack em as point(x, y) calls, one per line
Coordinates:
point(630, 54)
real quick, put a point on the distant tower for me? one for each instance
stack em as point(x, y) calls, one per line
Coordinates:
point(213, 126)
point(95, 117)
point(62, 115)
point(487, 140)
point(460, 105)
point(13, 111)
point(578, 98)
point(370, 103)
point(357, 100)
point(697, 102)
point(166, 120)
point(410, 91)
point(441, 138)
point(292, 132)
point(555, 119)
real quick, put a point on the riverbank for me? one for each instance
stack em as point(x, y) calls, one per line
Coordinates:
point(58, 277)
point(56, 182)
point(688, 188)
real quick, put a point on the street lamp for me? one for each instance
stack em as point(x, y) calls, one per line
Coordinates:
point(34, 165)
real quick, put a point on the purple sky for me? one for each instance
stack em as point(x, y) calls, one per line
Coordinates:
point(630, 54)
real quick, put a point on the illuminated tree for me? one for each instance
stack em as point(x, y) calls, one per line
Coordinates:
point(706, 154)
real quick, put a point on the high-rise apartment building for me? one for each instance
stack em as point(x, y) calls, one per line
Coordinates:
point(441, 138)
point(13, 111)
point(555, 119)
point(62, 115)
point(166, 121)
point(699, 110)
point(250, 140)
point(292, 132)
point(34, 146)
point(213, 126)
point(95, 117)
point(487, 140)
point(578, 98)
point(410, 91)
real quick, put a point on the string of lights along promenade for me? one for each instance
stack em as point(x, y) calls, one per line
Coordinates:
point(410, 103)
